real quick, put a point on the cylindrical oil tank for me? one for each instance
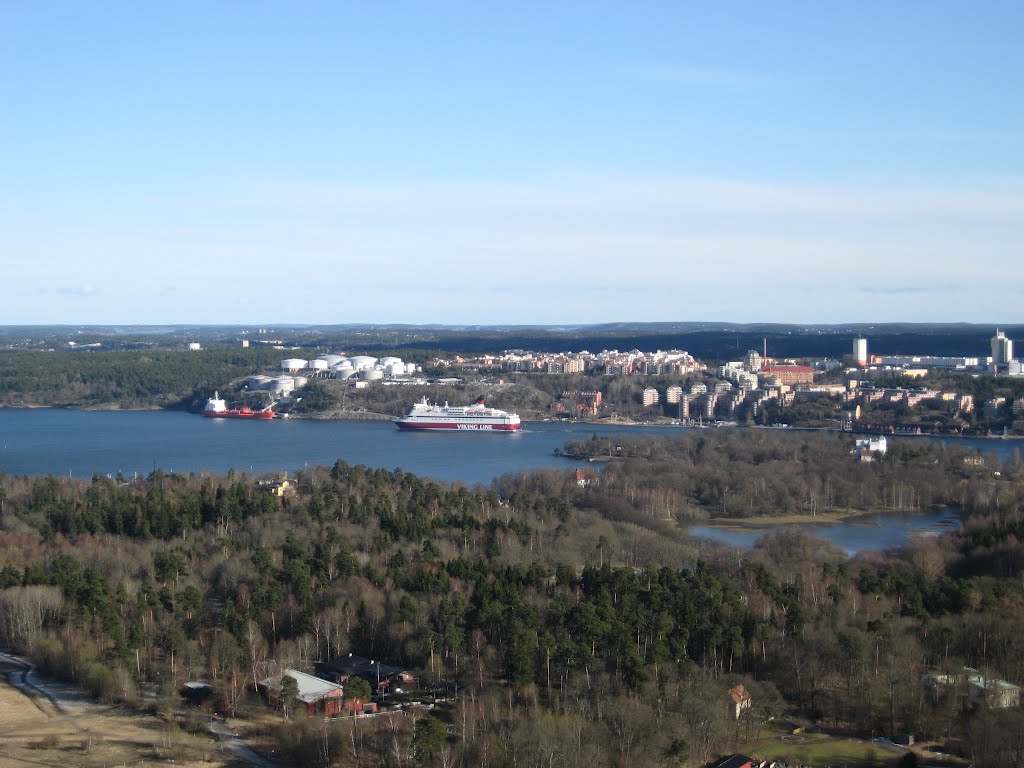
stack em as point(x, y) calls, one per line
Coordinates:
point(371, 374)
point(300, 381)
point(319, 364)
point(282, 385)
point(293, 364)
point(259, 382)
point(410, 368)
point(360, 362)
point(332, 360)
point(344, 372)
point(395, 369)
point(386, 361)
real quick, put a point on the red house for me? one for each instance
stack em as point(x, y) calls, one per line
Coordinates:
point(316, 695)
point(734, 761)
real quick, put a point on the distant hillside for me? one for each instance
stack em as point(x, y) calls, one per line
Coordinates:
point(707, 340)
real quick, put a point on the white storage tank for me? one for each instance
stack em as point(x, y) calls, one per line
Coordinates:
point(384, 362)
point(359, 362)
point(293, 364)
point(319, 364)
point(300, 381)
point(259, 381)
point(410, 368)
point(395, 369)
point(282, 385)
point(371, 374)
point(344, 372)
point(332, 360)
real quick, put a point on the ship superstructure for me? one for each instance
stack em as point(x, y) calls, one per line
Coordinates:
point(476, 417)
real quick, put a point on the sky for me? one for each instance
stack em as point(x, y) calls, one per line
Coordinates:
point(536, 162)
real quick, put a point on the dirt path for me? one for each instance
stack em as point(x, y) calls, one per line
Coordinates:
point(46, 723)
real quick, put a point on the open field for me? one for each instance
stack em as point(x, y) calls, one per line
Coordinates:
point(750, 523)
point(821, 750)
point(39, 735)
point(779, 742)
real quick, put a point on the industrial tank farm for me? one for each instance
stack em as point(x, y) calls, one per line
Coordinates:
point(297, 372)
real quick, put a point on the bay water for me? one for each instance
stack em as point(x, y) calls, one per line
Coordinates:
point(83, 443)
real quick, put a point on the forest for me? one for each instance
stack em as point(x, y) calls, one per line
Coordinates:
point(125, 379)
point(579, 624)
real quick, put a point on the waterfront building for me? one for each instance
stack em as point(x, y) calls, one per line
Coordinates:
point(994, 407)
point(684, 407)
point(709, 405)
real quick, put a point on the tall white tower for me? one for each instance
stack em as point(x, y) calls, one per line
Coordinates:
point(1002, 349)
point(860, 352)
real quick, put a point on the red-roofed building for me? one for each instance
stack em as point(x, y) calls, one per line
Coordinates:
point(316, 695)
point(734, 761)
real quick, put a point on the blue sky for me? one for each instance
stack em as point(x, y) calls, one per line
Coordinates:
point(515, 163)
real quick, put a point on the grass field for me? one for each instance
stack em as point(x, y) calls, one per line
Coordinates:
point(779, 743)
point(32, 735)
point(748, 523)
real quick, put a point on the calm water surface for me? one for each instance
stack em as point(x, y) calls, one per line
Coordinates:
point(56, 441)
point(81, 443)
point(863, 533)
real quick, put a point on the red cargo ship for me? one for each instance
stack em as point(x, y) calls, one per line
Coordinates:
point(218, 409)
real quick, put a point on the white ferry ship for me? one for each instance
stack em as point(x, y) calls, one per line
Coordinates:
point(456, 418)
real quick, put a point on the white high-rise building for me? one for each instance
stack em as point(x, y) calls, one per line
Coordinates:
point(860, 352)
point(1002, 349)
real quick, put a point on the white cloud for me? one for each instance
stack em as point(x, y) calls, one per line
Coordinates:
point(82, 289)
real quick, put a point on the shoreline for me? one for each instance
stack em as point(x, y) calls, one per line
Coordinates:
point(625, 424)
point(746, 524)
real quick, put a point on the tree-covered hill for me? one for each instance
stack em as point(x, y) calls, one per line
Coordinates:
point(557, 608)
point(125, 379)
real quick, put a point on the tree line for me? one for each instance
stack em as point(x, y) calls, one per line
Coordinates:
point(125, 378)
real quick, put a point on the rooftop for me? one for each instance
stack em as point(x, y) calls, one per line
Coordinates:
point(310, 688)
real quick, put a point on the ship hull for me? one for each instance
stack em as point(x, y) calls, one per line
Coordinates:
point(239, 414)
point(408, 426)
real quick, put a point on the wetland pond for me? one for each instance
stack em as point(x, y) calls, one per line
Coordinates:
point(859, 533)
